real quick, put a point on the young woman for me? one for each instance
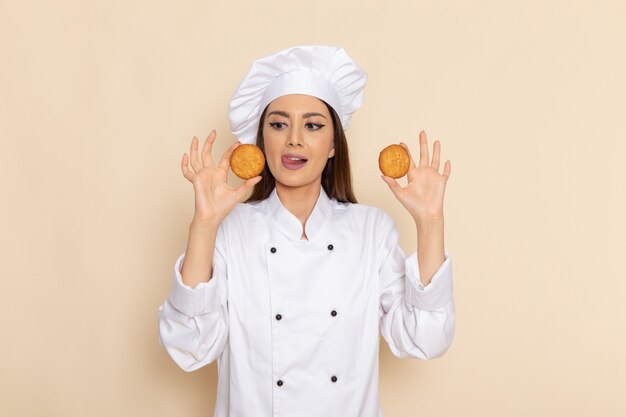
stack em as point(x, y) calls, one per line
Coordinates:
point(291, 290)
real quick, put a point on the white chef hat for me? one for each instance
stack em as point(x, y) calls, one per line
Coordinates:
point(325, 72)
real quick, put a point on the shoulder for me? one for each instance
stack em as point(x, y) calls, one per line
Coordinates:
point(243, 209)
point(241, 216)
point(242, 221)
point(363, 215)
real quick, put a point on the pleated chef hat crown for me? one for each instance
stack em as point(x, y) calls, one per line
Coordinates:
point(325, 72)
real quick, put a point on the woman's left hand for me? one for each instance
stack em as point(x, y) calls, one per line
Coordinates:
point(423, 194)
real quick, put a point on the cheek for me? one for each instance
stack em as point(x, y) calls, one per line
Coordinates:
point(270, 143)
point(328, 148)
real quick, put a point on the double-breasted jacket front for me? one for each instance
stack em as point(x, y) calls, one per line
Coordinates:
point(294, 324)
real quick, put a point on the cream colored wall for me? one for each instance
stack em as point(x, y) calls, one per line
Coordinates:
point(99, 100)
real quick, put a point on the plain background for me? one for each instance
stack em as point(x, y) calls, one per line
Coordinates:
point(100, 99)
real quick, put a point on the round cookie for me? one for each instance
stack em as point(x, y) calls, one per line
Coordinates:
point(394, 161)
point(247, 161)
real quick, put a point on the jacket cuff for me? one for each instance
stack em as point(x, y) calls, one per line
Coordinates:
point(434, 295)
point(201, 299)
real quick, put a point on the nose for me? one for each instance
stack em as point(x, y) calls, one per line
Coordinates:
point(294, 138)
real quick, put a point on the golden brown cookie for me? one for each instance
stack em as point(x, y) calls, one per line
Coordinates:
point(394, 161)
point(247, 161)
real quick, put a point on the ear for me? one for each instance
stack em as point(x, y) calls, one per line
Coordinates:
point(331, 153)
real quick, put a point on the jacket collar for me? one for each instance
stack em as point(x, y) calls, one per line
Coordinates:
point(289, 224)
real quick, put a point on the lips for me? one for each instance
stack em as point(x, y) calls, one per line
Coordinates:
point(293, 161)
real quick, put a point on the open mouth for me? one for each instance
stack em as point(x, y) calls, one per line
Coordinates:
point(292, 161)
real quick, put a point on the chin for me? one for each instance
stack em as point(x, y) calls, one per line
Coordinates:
point(297, 181)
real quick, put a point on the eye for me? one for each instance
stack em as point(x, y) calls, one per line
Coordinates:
point(314, 126)
point(278, 125)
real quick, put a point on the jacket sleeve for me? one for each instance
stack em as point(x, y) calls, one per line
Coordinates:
point(416, 321)
point(193, 322)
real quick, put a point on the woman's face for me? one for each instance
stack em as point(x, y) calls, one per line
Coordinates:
point(298, 137)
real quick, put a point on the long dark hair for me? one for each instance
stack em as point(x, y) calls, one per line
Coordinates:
point(336, 177)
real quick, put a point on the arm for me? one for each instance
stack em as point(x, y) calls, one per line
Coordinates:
point(418, 309)
point(214, 200)
point(430, 248)
point(199, 254)
point(416, 320)
point(193, 320)
point(423, 197)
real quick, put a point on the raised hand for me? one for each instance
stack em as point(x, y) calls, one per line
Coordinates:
point(214, 197)
point(423, 194)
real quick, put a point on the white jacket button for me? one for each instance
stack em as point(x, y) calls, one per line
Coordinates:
point(273, 250)
point(278, 317)
point(279, 383)
point(331, 247)
point(333, 378)
point(333, 313)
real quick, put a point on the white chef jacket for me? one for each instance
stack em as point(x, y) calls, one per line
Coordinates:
point(294, 324)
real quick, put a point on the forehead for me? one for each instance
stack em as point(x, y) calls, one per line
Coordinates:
point(298, 103)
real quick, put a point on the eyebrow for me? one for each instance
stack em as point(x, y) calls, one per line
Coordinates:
point(306, 115)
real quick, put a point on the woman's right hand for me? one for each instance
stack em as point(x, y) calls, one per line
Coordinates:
point(214, 197)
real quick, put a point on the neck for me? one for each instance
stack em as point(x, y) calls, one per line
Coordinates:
point(300, 201)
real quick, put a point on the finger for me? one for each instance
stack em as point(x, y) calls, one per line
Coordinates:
point(184, 165)
point(393, 185)
point(247, 185)
point(225, 161)
point(193, 152)
point(423, 150)
point(446, 169)
point(436, 151)
point(207, 159)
